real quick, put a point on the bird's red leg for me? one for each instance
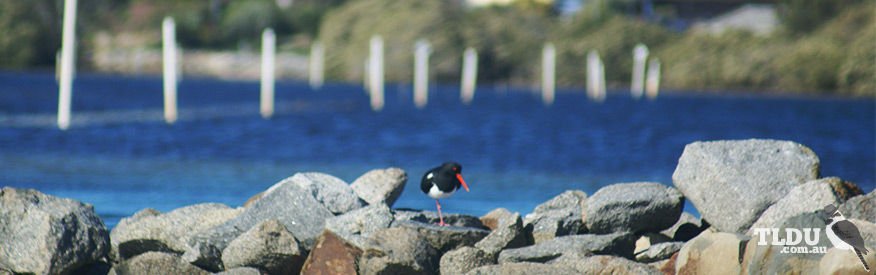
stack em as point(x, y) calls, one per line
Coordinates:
point(440, 218)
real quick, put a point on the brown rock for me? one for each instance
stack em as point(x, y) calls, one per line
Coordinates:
point(332, 255)
point(668, 268)
point(711, 253)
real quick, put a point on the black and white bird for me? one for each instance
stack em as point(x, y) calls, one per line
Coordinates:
point(440, 182)
point(844, 234)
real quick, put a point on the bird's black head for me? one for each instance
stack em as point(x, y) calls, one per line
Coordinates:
point(451, 167)
point(828, 212)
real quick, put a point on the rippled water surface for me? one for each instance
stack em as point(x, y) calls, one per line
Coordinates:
point(120, 156)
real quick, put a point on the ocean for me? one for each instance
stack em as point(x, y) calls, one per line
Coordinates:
point(120, 156)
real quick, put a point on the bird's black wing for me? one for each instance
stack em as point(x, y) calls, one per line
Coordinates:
point(848, 232)
point(426, 183)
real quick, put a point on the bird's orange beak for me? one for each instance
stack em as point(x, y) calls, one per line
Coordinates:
point(459, 176)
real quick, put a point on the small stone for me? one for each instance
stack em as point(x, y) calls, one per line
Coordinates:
point(621, 244)
point(398, 251)
point(464, 259)
point(378, 185)
point(491, 220)
point(268, 246)
point(523, 268)
point(687, 227)
point(155, 263)
point(444, 238)
point(646, 240)
point(559, 216)
point(711, 253)
point(508, 233)
point(633, 207)
point(658, 252)
point(332, 255)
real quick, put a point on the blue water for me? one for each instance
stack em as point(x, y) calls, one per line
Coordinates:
point(120, 156)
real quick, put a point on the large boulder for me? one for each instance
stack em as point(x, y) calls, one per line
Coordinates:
point(332, 255)
point(329, 190)
point(150, 230)
point(603, 264)
point(559, 216)
point(286, 201)
point(155, 263)
point(268, 246)
point(806, 198)
point(43, 234)
point(861, 207)
point(523, 268)
point(712, 253)
point(507, 232)
point(398, 251)
point(732, 182)
point(378, 185)
point(633, 207)
point(620, 244)
point(444, 238)
point(464, 259)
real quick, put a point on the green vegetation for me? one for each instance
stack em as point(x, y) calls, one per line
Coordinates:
point(822, 46)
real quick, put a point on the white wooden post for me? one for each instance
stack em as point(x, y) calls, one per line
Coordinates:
point(595, 77)
point(169, 52)
point(637, 85)
point(548, 76)
point(68, 46)
point(469, 75)
point(267, 91)
point(653, 81)
point(422, 49)
point(375, 72)
point(317, 55)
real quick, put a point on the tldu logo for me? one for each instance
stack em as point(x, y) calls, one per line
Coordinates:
point(842, 234)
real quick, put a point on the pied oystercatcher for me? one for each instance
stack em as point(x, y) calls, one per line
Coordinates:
point(440, 182)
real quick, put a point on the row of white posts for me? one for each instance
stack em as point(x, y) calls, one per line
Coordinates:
point(372, 78)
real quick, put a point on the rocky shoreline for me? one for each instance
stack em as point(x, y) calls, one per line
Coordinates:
point(314, 223)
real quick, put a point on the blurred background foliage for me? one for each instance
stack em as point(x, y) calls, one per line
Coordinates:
point(822, 45)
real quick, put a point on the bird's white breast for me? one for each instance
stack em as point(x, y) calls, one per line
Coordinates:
point(837, 242)
point(436, 193)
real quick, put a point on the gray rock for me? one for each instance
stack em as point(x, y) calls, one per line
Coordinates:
point(603, 264)
point(492, 219)
point(381, 185)
point(398, 251)
point(444, 238)
point(620, 244)
point(43, 234)
point(559, 216)
point(712, 253)
point(459, 220)
point(286, 201)
point(508, 233)
point(155, 263)
point(364, 221)
point(268, 246)
point(332, 192)
point(464, 259)
point(687, 227)
point(860, 207)
point(149, 230)
point(646, 240)
point(659, 251)
point(805, 198)
point(764, 258)
point(332, 255)
point(522, 268)
point(715, 175)
point(633, 207)
point(240, 271)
